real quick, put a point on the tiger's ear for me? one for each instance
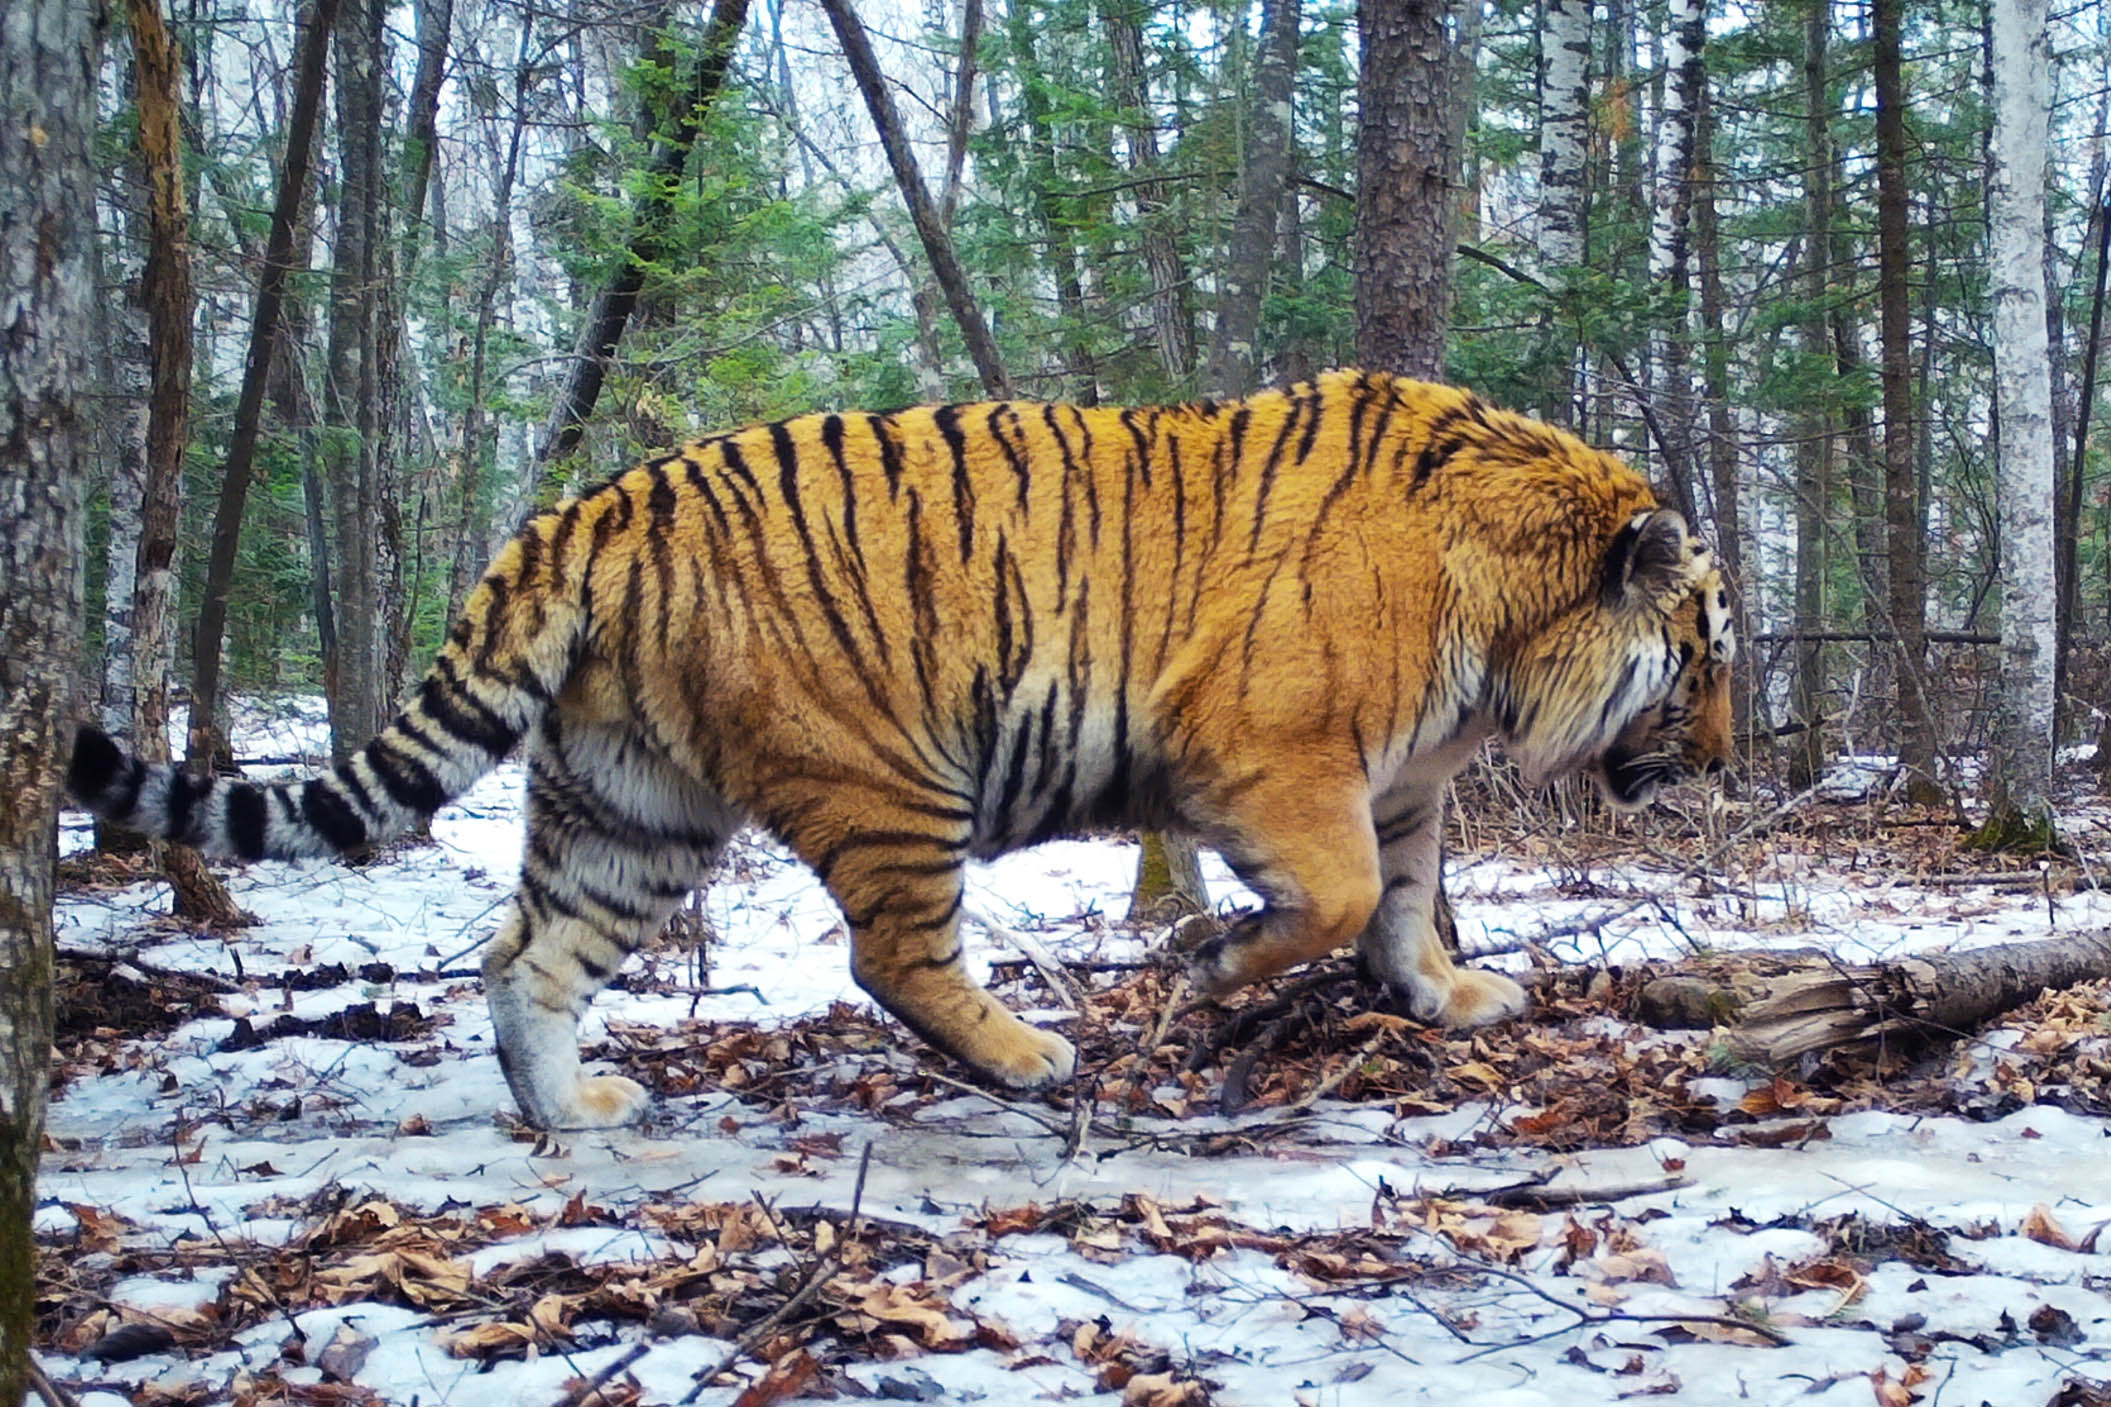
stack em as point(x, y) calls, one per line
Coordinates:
point(1647, 559)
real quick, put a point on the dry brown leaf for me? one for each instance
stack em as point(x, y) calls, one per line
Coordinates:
point(898, 1304)
point(1161, 1390)
point(787, 1377)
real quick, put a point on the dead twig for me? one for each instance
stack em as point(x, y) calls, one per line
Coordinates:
point(1612, 1316)
point(590, 1389)
point(1066, 989)
point(51, 1392)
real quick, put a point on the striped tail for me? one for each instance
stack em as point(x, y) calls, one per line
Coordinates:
point(503, 663)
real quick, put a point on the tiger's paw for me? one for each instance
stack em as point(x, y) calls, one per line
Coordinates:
point(1475, 998)
point(1225, 963)
point(1031, 1059)
point(601, 1102)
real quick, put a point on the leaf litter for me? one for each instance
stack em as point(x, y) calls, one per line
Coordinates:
point(284, 1188)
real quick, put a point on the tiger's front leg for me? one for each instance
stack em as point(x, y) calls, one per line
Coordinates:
point(1401, 946)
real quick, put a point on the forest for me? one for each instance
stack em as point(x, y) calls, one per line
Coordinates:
point(313, 303)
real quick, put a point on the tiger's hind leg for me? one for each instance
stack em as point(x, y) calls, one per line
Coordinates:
point(1301, 837)
point(1400, 945)
point(897, 874)
point(616, 839)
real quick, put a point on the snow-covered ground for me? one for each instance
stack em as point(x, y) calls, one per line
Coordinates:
point(250, 1166)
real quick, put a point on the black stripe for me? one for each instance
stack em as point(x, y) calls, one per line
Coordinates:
point(882, 427)
point(947, 419)
point(331, 818)
point(1084, 430)
point(246, 815)
point(184, 793)
point(1065, 527)
point(1268, 468)
point(1304, 444)
point(409, 782)
point(448, 702)
point(659, 535)
point(1436, 447)
point(832, 437)
point(1012, 456)
point(1143, 444)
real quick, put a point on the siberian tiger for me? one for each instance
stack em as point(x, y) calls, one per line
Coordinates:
point(903, 641)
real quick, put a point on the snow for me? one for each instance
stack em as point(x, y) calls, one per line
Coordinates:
point(233, 1147)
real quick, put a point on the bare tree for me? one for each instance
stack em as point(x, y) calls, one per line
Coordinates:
point(1671, 241)
point(1715, 371)
point(650, 219)
point(923, 213)
point(356, 684)
point(1565, 54)
point(1172, 319)
point(479, 443)
point(1814, 456)
point(165, 292)
point(50, 54)
point(1264, 175)
point(1902, 534)
point(249, 407)
point(1056, 235)
point(2022, 738)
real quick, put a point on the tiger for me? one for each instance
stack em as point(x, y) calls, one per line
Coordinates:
point(899, 642)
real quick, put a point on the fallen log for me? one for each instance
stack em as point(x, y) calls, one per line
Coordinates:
point(1813, 1005)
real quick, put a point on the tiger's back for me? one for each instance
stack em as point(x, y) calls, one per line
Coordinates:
point(902, 640)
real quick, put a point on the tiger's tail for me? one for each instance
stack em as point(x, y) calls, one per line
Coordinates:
point(504, 662)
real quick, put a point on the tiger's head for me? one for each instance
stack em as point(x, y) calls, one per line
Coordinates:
point(1632, 685)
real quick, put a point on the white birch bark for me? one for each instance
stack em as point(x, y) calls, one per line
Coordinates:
point(1670, 239)
point(1564, 126)
point(1565, 44)
point(2023, 716)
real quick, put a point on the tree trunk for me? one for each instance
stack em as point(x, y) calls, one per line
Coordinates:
point(1904, 544)
point(960, 120)
point(263, 337)
point(480, 447)
point(1814, 457)
point(2070, 538)
point(165, 289)
point(1939, 994)
point(351, 420)
point(938, 244)
point(1234, 347)
point(1082, 375)
point(1671, 243)
point(1172, 319)
point(1715, 380)
point(50, 57)
point(2021, 754)
point(1565, 54)
point(1407, 185)
point(649, 221)
point(396, 267)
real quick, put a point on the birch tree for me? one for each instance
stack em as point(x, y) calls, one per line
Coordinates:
point(1565, 52)
point(1670, 239)
point(49, 57)
point(2023, 713)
